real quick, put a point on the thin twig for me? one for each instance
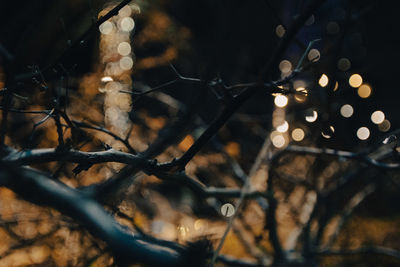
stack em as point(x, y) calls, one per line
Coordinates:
point(104, 130)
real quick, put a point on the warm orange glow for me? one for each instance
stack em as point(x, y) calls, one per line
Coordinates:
point(355, 80)
point(233, 149)
point(186, 143)
point(364, 91)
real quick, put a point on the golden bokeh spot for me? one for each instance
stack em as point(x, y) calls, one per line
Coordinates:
point(298, 134)
point(355, 80)
point(364, 91)
point(336, 87)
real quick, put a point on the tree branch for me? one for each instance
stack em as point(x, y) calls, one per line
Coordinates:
point(124, 244)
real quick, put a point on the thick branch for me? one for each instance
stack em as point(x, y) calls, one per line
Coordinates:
point(91, 215)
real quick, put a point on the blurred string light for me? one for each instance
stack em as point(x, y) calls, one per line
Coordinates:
point(227, 210)
point(377, 117)
point(355, 80)
point(126, 63)
point(283, 127)
point(336, 87)
point(300, 87)
point(314, 55)
point(106, 79)
point(285, 66)
point(278, 139)
point(328, 132)
point(363, 133)
point(323, 81)
point(302, 95)
point(116, 55)
point(280, 31)
point(106, 27)
point(127, 24)
point(313, 117)
point(364, 91)
point(281, 101)
point(346, 111)
point(124, 48)
point(298, 134)
point(279, 136)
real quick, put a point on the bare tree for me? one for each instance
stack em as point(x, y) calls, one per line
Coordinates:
point(102, 168)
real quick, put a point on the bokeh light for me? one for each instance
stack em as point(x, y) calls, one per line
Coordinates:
point(126, 11)
point(227, 210)
point(106, 79)
point(280, 31)
point(378, 117)
point(281, 101)
point(363, 133)
point(302, 95)
point(314, 55)
point(126, 63)
point(124, 48)
point(346, 111)
point(278, 141)
point(285, 66)
point(328, 132)
point(127, 24)
point(283, 127)
point(298, 134)
point(313, 117)
point(106, 27)
point(364, 91)
point(324, 80)
point(336, 87)
point(355, 80)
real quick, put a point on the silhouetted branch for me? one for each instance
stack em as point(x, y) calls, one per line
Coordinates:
point(104, 130)
point(91, 215)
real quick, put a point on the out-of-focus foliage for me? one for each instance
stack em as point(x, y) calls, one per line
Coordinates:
point(210, 40)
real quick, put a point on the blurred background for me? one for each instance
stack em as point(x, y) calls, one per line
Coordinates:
point(346, 99)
